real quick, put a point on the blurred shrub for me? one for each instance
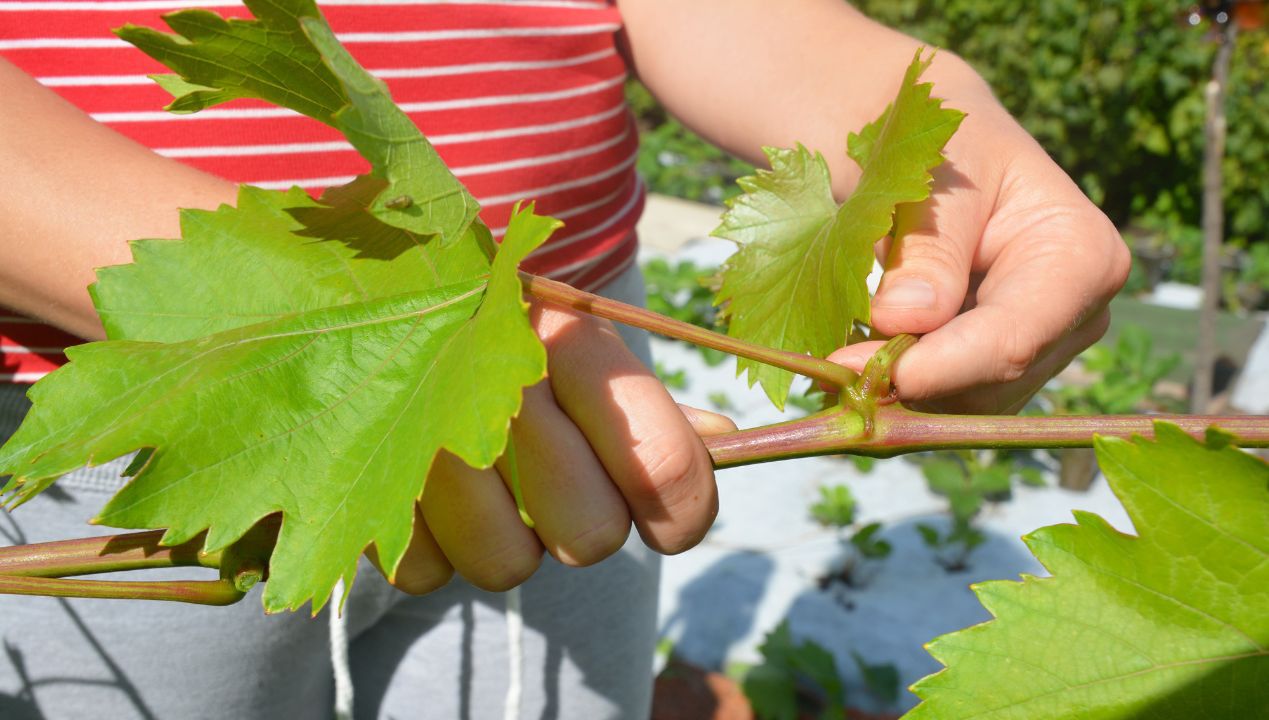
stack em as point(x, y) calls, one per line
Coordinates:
point(1113, 90)
point(1122, 378)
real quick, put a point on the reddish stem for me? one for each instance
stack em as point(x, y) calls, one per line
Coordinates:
point(85, 556)
point(899, 430)
point(200, 592)
point(569, 296)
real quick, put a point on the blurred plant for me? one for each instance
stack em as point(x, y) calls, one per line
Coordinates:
point(969, 478)
point(800, 680)
point(1124, 378)
point(811, 401)
point(794, 679)
point(721, 401)
point(677, 290)
point(675, 161)
point(1247, 289)
point(882, 680)
point(673, 379)
point(684, 291)
point(836, 509)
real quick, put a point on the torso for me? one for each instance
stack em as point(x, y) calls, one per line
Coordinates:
point(523, 99)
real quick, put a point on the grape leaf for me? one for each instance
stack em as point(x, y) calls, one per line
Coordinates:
point(797, 281)
point(176, 290)
point(289, 56)
point(1173, 623)
point(331, 416)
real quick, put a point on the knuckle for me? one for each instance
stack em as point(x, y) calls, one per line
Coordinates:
point(1120, 264)
point(1015, 358)
point(671, 464)
point(595, 543)
point(504, 569)
point(930, 256)
point(677, 481)
point(423, 580)
point(1103, 254)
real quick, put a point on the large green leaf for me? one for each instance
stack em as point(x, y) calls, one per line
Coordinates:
point(331, 416)
point(1171, 624)
point(242, 265)
point(798, 280)
point(289, 56)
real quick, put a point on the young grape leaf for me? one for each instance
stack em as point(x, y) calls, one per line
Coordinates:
point(289, 56)
point(177, 290)
point(797, 281)
point(772, 686)
point(1171, 624)
point(331, 416)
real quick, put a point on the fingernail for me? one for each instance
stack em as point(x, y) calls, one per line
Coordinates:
point(855, 361)
point(907, 294)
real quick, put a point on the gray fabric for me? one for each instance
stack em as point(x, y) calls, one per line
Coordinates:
point(589, 634)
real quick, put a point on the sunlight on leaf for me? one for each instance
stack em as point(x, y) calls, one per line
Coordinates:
point(797, 281)
point(1172, 624)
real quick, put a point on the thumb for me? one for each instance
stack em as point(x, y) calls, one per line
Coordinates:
point(707, 423)
point(926, 271)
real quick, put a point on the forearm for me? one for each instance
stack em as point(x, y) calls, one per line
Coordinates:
point(72, 193)
point(807, 71)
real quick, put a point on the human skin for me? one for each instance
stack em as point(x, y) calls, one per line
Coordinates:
point(1013, 269)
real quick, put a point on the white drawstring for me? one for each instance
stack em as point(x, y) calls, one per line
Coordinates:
point(339, 655)
point(515, 654)
point(343, 675)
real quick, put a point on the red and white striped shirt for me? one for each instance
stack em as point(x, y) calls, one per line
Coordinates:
point(523, 99)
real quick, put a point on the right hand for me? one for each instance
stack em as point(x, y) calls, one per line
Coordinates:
point(599, 445)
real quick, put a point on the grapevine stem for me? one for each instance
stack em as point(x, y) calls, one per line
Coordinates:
point(200, 592)
point(42, 568)
point(899, 430)
point(562, 294)
point(113, 553)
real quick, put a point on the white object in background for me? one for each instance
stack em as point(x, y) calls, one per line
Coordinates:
point(515, 654)
point(669, 223)
point(1251, 392)
point(1176, 295)
point(339, 654)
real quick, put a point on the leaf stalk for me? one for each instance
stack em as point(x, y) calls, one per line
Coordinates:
point(561, 294)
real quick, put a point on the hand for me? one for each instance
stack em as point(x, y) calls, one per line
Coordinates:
point(1006, 272)
point(599, 444)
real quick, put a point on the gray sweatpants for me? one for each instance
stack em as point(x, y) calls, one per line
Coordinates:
point(588, 643)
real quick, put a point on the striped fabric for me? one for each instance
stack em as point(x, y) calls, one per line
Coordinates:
point(522, 98)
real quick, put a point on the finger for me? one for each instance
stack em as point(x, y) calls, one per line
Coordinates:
point(1035, 294)
point(423, 568)
point(636, 430)
point(577, 512)
point(927, 264)
point(856, 356)
point(706, 423)
point(476, 524)
point(1011, 397)
point(1000, 398)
